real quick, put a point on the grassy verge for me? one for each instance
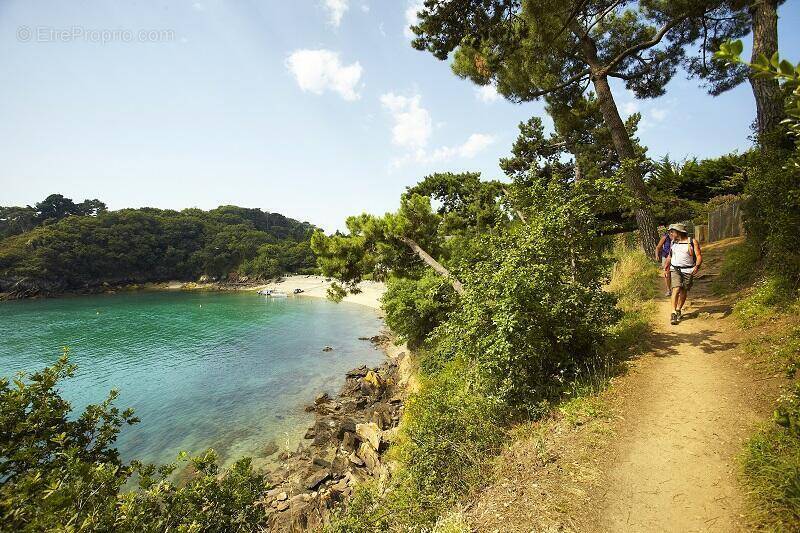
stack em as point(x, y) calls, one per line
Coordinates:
point(768, 308)
point(771, 458)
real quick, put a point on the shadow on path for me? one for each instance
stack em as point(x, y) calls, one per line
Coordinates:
point(669, 343)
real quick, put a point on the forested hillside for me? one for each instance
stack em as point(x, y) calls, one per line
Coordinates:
point(58, 245)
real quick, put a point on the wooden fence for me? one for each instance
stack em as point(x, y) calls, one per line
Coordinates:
point(725, 221)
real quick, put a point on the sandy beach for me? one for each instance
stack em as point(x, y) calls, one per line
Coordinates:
point(317, 287)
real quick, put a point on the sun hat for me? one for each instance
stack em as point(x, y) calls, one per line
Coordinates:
point(678, 227)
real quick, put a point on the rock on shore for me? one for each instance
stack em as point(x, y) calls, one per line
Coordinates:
point(347, 442)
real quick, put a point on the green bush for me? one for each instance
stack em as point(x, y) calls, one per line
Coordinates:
point(448, 435)
point(772, 211)
point(450, 429)
point(414, 307)
point(61, 472)
point(534, 316)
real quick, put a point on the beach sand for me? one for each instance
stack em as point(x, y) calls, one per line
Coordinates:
point(317, 287)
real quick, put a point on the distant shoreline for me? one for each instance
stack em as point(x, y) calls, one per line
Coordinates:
point(311, 285)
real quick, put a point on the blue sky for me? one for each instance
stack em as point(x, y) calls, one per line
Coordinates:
point(317, 109)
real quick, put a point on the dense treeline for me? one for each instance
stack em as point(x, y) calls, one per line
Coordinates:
point(15, 220)
point(70, 248)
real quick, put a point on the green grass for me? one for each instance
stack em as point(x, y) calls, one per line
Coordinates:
point(633, 278)
point(771, 295)
point(740, 267)
point(771, 459)
point(771, 465)
point(582, 409)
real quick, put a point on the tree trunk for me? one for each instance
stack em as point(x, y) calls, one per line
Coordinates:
point(436, 265)
point(517, 211)
point(769, 102)
point(648, 232)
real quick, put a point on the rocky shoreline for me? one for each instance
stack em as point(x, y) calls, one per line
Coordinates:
point(346, 444)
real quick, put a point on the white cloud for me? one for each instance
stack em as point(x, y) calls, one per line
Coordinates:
point(317, 71)
point(658, 114)
point(487, 94)
point(336, 10)
point(412, 126)
point(629, 108)
point(365, 8)
point(381, 29)
point(414, 6)
point(198, 6)
point(475, 143)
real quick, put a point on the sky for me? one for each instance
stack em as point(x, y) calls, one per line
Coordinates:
point(316, 109)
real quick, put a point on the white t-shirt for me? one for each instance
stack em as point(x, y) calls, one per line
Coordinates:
point(682, 257)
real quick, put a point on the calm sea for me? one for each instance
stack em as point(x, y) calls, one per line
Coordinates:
point(230, 371)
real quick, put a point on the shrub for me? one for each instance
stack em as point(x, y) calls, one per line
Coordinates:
point(772, 211)
point(448, 434)
point(449, 430)
point(533, 316)
point(415, 307)
point(60, 472)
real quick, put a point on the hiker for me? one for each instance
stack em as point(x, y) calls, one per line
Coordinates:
point(662, 252)
point(683, 262)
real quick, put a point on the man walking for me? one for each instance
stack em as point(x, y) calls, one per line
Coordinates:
point(682, 264)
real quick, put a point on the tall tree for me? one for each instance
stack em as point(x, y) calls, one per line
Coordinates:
point(731, 20)
point(769, 100)
point(535, 49)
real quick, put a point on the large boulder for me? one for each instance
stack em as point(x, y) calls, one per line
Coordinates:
point(316, 478)
point(370, 457)
point(369, 433)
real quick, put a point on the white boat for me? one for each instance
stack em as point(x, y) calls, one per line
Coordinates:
point(272, 293)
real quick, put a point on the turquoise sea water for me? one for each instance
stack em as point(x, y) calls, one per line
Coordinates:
point(230, 371)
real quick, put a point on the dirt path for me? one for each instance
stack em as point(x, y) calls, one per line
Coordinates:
point(685, 416)
point(675, 452)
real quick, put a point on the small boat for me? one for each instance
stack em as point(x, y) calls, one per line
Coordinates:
point(272, 293)
point(298, 291)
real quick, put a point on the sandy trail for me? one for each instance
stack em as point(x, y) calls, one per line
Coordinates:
point(673, 464)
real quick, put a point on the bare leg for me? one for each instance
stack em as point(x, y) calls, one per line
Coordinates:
point(675, 296)
point(681, 298)
point(667, 284)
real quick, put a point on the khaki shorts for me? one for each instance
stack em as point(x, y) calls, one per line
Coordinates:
point(679, 279)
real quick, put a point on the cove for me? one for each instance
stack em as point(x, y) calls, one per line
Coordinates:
point(230, 371)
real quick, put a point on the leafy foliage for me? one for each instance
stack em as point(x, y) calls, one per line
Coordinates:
point(771, 68)
point(16, 220)
point(414, 307)
point(61, 472)
point(534, 310)
point(135, 245)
